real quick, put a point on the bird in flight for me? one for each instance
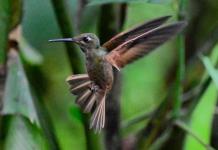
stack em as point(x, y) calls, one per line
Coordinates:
point(92, 88)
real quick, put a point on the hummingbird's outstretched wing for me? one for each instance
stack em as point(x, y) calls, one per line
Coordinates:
point(139, 46)
point(134, 32)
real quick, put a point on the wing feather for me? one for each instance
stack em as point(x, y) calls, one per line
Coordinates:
point(134, 32)
point(139, 46)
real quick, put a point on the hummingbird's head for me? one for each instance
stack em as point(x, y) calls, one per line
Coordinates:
point(85, 41)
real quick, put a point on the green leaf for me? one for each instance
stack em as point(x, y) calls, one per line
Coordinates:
point(189, 131)
point(17, 98)
point(70, 134)
point(23, 135)
point(29, 53)
point(100, 2)
point(202, 116)
point(210, 69)
point(201, 119)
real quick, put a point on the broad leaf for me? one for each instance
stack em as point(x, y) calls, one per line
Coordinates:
point(201, 119)
point(55, 69)
point(17, 98)
point(202, 116)
point(23, 135)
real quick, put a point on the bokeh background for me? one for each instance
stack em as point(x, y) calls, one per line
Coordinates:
point(167, 100)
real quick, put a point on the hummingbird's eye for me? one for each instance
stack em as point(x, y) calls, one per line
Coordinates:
point(87, 39)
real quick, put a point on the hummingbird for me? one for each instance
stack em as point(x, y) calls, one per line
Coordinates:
point(92, 88)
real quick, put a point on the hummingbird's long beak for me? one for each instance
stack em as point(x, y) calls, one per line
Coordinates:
point(74, 40)
point(64, 40)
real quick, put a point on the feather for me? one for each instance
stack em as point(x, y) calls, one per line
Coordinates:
point(75, 80)
point(98, 117)
point(79, 77)
point(81, 99)
point(90, 103)
point(80, 88)
point(142, 44)
point(80, 85)
point(134, 32)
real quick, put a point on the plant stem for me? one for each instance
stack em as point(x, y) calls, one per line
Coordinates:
point(46, 123)
point(112, 128)
point(79, 13)
point(66, 26)
point(108, 27)
point(5, 18)
point(180, 78)
point(181, 63)
point(157, 123)
point(136, 120)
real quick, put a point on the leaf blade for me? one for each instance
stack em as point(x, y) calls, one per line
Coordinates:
point(17, 98)
point(24, 135)
point(202, 119)
point(210, 69)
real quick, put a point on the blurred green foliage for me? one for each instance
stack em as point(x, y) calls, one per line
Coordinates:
point(145, 83)
point(202, 116)
point(24, 135)
point(20, 101)
point(100, 2)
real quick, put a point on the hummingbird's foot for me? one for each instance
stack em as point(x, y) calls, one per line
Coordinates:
point(94, 87)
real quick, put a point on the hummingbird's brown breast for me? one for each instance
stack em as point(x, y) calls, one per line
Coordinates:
point(99, 71)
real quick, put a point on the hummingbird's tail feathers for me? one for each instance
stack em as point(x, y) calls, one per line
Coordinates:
point(78, 83)
point(83, 97)
point(75, 80)
point(98, 117)
point(87, 98)
point(90, 103)
point(77, 90)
